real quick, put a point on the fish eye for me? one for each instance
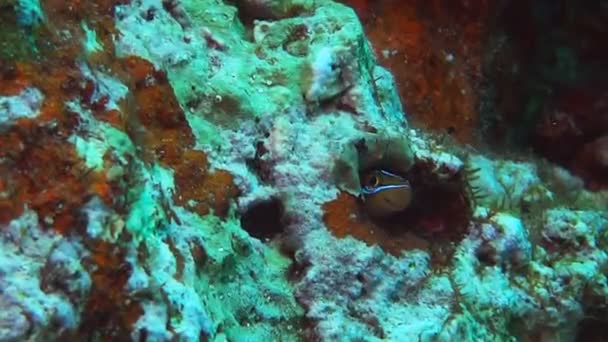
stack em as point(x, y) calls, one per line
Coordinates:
point(372, 181)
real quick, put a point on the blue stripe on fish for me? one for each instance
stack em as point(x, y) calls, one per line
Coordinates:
point(368, 191)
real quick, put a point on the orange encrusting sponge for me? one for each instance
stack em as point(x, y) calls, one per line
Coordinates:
point(344, 217)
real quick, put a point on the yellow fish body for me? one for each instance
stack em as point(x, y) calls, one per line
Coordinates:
point(384, 193)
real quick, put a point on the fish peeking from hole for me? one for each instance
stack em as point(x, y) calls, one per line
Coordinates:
point(384, 193)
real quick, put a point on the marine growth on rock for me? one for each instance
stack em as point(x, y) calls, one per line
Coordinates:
point(298, 170)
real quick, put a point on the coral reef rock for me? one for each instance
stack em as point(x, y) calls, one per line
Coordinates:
point(189, 170)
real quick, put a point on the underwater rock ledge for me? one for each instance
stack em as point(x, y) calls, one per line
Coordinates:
point(190, 170)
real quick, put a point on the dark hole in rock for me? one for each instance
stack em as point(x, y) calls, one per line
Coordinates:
point(264, 219)
point(592, 329)
point(486, 254)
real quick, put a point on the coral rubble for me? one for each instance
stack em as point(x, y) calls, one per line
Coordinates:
point(191, 170)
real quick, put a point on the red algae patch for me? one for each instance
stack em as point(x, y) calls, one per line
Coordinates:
point(52, 179)
point(168, 139)
point(155, 120)
point(13, 78)
point(44, 173)
point(41, 169)
point(109, 306)
point(434, 49)
point(345, 217)
point(201, 190)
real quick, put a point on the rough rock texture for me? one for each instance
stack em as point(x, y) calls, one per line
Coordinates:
point(43, 281)
point(200, 125)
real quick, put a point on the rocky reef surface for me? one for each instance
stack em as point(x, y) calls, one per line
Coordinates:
point(191, 170)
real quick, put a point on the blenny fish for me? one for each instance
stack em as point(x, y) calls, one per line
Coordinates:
point(385, 193)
